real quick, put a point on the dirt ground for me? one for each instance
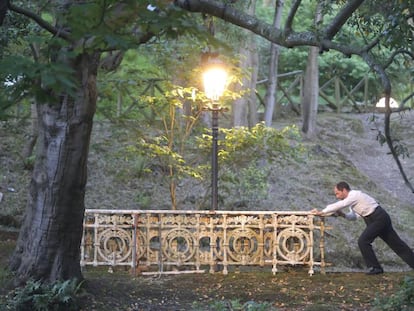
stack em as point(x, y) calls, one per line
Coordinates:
point(292, 289)
point(374, 160)
point(289, 289)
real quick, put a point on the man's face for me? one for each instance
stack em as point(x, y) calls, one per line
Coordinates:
point(340, 194)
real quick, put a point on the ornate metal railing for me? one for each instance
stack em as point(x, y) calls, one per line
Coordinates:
point(161, 241)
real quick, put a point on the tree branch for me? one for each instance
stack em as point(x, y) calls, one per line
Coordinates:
point(119, 12)
point(291, 16)
point(406, 100)
point(395, 53)
point(390, 143)
point(41, 22)
point(341, 18)
point(387, 131)
point(246, 21)
point(289, 38)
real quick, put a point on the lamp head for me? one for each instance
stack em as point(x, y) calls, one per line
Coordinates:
point(215, 80)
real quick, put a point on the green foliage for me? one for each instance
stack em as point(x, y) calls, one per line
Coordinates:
point(39, 296)
point(402, 300)
point(29, 162)
point(250, 184)
point(245, 156)
point(144, 78)
point(387, 20)
point(13, 33)
point(387, 23)
point(40, 71)
point(111, 25)
point(166, 146)
point(30, 79)
point(242, 145)
point(164, 157)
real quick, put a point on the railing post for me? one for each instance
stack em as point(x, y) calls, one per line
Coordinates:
point(275, 229)
point(212, 243)
point(322, 245)
point(225, 244)
point(311, 236)
point(134, 244)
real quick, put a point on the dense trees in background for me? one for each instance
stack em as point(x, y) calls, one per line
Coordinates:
point(385, 30)
point(62, 56)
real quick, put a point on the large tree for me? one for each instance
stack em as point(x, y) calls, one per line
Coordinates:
point(48, 244)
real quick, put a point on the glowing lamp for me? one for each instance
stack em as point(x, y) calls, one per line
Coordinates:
point(215, 79)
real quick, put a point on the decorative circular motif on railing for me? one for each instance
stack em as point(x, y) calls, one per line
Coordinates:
point(293, 244)
point(243, 244)
point(141, 245)
point(218, 245)
point(178, 245)
point(205, 239)
point(268, 238)
point(115, 244)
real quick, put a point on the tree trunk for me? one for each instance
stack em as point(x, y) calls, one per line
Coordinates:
point(48, 247)
point(310, 99)
point(240, 105)
point(253, 117)
point(311, 94)
point(271, 91)
point(243, 112)
point(31, 140)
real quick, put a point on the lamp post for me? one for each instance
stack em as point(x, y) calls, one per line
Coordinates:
point(214, 78)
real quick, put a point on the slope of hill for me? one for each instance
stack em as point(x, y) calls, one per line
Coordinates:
point(346, 149)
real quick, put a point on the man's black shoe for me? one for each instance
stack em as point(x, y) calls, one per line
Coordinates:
point(373, 271)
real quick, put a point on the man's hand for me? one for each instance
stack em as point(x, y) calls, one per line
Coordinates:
point(320, 213)
point(317, 212)
point(339, 214)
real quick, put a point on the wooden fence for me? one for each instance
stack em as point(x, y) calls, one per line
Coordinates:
point(334, 92)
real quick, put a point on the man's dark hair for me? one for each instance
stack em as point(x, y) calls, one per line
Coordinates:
point(343, 185)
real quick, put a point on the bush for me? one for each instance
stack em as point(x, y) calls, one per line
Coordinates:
point(402, 300)
point(39, 296)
